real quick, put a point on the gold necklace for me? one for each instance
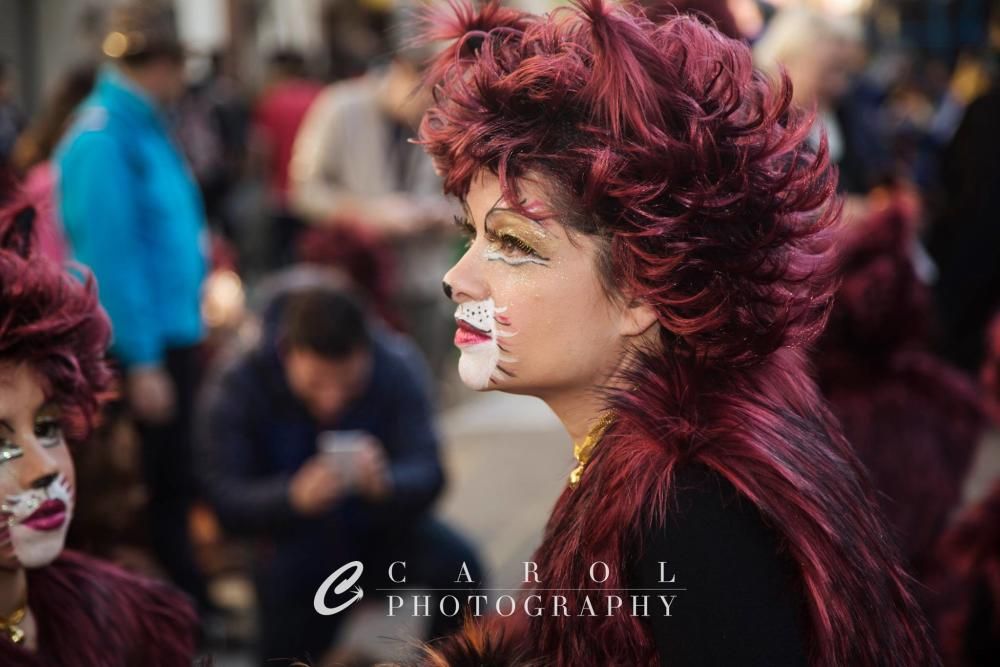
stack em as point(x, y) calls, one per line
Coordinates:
point(11, 626)
point(582, 451)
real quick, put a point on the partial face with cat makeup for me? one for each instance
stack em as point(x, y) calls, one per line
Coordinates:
point(36, 472)
point(532, 315)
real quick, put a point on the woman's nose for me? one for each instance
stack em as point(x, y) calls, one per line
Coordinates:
point(464, 281)
point(39, 469)
point(44, 481)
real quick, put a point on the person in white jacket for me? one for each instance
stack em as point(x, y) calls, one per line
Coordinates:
point(354, 166)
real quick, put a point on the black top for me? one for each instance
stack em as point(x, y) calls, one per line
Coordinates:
point(742, 604)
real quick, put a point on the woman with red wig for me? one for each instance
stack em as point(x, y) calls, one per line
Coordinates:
point(58, 607)
point(914, 420)
point(650, 254)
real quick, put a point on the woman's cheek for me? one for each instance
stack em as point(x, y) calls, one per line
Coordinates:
point(7, 557)
point(531, 318)
point(523, 337)
point(68, 469)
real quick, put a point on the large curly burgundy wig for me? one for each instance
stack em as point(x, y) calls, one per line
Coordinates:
point(667, 143)
point(693, 171)
point(52, 322)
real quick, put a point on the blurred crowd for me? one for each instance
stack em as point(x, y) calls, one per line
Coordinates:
point(270, 254)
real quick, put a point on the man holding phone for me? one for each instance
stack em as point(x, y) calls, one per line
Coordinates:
point(319, 443)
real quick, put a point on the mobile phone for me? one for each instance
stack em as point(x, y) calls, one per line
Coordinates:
point(342, 449)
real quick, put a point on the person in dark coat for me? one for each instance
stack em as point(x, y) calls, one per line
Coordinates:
point(322, 372)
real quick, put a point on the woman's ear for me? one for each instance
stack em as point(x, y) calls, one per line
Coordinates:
point(637, 318)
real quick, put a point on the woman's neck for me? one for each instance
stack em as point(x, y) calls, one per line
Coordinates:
point(13, 590)
point(580, 408)
point(578, 411)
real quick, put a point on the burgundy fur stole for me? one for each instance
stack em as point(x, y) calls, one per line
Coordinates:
point(764, 428)
point(967, 584)
point(93, 614)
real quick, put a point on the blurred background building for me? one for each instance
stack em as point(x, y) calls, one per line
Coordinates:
point(42, 37)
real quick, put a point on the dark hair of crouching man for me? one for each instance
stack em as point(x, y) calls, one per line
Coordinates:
point(318, 443)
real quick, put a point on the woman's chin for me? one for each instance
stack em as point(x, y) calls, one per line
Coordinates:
point(41, 555)
point(34, 549)
point(478, 365)
point(477, 383)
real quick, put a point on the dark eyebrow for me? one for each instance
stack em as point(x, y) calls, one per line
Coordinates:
point(46, 405)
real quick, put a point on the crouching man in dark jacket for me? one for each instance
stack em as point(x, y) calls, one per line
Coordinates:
point(323, 373)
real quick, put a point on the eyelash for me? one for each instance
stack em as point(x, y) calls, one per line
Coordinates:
point(508, 242)
point(466, 229)
point(48, 429)
point(45, 429)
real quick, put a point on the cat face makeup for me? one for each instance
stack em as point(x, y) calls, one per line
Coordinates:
point(36, 473)
point(37, 522)
point(532, 314)
point(478, 336)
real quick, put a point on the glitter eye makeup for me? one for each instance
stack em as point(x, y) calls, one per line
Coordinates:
point(513, 250)
point(514, 239)
point(9, 451)
point(47, 429)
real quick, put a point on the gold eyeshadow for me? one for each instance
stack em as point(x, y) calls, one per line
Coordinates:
point(513, 243)
point(518, 232)
point(508, 231)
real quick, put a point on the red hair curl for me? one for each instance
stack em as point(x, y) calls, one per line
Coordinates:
point(52, 322)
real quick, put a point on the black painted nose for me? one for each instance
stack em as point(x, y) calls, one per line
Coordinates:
point(447, 289)
point(44, 481)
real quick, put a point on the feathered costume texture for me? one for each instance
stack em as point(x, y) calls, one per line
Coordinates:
point(93, 614)
point(966, 576)
point(966, 609)
point(694, 169)
point(88, 613)
point(990, 373)
point(913, 419)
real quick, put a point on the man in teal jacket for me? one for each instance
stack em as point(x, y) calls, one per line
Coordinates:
point(133, 214)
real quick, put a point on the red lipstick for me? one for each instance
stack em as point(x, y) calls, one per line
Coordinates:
point(50, 515)
point(466, 334)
